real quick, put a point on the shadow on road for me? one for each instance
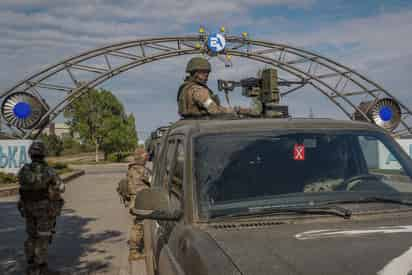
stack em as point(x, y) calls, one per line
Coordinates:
point(67, 252)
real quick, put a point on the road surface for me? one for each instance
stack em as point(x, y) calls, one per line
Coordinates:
point(91, 234)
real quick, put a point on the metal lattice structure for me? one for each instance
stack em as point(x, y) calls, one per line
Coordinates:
point(343, 86)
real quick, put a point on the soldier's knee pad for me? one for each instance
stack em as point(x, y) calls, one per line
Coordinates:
point(30, 242)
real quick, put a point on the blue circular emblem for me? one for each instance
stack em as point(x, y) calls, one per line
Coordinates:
point(385, 113)
point(216, 42)
point(22, 110)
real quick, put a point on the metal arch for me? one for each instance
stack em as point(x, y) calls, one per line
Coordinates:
point(335, 81)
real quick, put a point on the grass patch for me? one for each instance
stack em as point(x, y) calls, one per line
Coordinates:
point(60, 167)
point(7, 178)
point(64, 171)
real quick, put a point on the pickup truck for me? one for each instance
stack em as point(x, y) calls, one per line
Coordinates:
point(277, 196)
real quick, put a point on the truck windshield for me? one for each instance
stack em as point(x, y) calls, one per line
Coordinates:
point(246, 169)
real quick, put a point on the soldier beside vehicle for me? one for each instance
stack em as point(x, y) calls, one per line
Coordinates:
point(40, 203)
point(128, 186)
point(127, 189)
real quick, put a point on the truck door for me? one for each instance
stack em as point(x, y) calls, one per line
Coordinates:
point(171, 178)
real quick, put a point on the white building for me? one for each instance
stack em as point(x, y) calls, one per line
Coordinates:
point(59, 129)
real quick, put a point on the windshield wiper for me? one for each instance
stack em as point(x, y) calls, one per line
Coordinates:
point(371, 199)
point(322, 209)
point(330, 207)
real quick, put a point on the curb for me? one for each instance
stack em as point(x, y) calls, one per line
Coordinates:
point(9, 191)
point(14, 189)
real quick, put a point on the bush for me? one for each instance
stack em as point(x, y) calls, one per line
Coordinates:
point(72, 147)
point(58, 165)
point(7, 178)
point(53, 143)
point(118, 157)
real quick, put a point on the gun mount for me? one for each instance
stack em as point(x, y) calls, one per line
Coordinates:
point(264, 89)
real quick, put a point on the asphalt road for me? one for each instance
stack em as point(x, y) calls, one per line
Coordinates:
point(91, 234)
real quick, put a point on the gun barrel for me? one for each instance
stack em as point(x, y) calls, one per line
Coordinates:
point(250, 82)
point(288, 83)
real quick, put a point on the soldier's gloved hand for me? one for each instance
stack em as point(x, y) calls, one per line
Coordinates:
point(245, 111)
point(20, 207)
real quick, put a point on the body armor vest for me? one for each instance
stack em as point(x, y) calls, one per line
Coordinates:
point(187, 106)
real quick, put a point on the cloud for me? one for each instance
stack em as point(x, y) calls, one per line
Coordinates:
point(375, 38)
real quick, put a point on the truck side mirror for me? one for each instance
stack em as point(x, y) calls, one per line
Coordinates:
point(156, 204)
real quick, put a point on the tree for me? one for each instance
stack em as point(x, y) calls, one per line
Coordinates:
point(53, 144)
point(99, 118)
point(122, 138)
point(73, 146)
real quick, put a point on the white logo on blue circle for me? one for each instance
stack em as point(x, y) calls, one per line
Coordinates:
point(216, 42)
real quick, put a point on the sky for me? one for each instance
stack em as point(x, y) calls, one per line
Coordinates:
point(371, 36)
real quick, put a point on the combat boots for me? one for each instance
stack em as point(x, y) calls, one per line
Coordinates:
point(135, 255)
point(42, 269)
point(32, 269)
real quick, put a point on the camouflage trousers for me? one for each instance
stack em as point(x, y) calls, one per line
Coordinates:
point(136, 242)
point(40, 226)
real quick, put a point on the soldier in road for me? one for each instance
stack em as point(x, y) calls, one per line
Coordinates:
point(40, 203)
point(195, 99)
point(136, 182)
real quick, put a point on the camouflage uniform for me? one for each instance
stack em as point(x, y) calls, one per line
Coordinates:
point(136, 183)
point(195, 99)
point(40, 203)
point(135, 179)
point(128, 187)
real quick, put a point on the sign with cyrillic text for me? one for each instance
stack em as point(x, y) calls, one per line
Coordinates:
point(14, 154)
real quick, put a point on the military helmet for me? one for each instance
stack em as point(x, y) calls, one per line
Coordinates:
point(37, 149)
point(198, 64)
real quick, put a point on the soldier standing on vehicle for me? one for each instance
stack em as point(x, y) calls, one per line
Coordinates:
point(195, 99)
point(40, 203)
point(135, 179)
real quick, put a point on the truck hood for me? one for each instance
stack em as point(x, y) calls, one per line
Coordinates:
point(379, 246)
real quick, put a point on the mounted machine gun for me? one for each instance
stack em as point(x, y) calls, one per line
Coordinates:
point(264, 89)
